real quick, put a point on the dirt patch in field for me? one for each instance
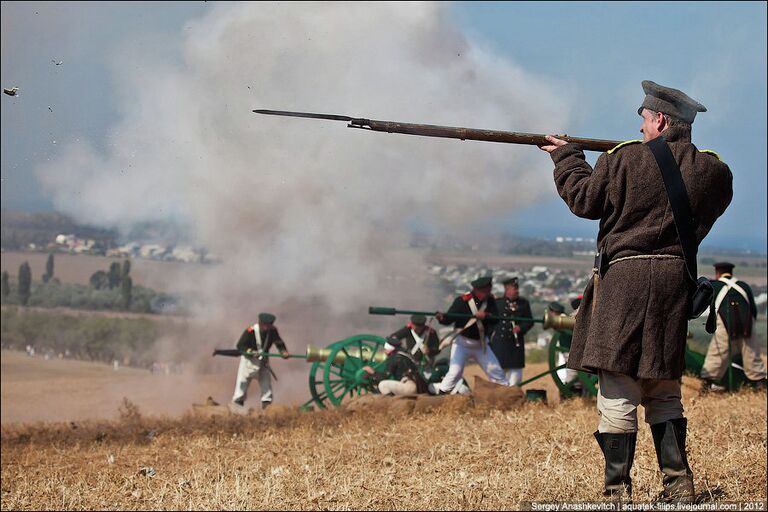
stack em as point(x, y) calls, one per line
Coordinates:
point(35, 389)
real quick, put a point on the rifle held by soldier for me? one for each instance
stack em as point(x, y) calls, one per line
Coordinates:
point(429, 130)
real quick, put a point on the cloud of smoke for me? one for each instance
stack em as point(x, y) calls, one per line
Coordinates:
point(309, 213)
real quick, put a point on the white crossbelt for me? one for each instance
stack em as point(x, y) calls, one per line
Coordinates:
point(473, 307)
point(480, 326)
point(419, 342)
point(257, 333)
point(729, 284)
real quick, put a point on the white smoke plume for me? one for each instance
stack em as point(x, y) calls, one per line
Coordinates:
point(309, 216)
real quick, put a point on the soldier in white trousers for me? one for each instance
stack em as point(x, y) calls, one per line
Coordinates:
point(472, 337)
point(256, 339)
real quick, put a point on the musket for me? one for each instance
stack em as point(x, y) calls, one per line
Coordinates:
point(450, 132)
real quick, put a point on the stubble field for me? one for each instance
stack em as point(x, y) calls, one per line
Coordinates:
point(457, 457)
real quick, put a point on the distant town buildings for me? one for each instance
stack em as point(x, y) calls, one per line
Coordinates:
point(183, 253)
point(538, 282)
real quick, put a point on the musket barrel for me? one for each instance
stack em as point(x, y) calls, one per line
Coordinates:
point(450, 132)
point(428, 130)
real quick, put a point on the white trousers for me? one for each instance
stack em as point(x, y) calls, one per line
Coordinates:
point(249, 369)
point(464, 349)
point(397, 387)
point(514, 376)
point(619, 395)
point(716, 362)
point(565, 375)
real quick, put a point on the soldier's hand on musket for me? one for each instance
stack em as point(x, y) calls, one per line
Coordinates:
point(439, 316)
point(556, 143)
point(480, 315)
point(284, 354)
point(517, 329)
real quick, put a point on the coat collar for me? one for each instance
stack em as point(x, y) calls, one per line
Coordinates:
point(677, 134)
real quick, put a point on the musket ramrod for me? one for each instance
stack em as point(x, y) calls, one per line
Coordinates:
point(451, 132)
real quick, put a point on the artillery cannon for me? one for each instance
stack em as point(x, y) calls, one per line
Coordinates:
point(583, 383)
point(336, 371)
point(572, 383)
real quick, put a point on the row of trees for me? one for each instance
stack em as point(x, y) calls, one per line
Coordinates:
point(23, 290)
point(118, 276)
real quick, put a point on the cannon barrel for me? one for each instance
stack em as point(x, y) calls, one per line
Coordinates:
point(320, 355)
point(558, 322)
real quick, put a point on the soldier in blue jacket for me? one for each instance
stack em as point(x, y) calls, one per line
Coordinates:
point(508, 340)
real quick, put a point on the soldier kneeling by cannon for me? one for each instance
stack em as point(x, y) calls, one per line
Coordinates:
point(401, 376)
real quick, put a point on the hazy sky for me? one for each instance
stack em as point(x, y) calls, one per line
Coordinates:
point(593, 55)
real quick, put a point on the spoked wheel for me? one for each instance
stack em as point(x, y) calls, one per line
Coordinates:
point(581, 384)
point(316, 388)
point(343, 374)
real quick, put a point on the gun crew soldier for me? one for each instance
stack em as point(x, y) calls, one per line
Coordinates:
point(508, 340)
point(734, 303)
point(418, 339)
point(256, 339)
point(470, 340)
point(632, 323)
point(401, 376)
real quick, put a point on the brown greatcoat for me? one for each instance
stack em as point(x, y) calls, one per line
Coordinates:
point(635, 322)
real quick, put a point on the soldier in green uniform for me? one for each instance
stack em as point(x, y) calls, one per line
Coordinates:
point(632, 323)
point(508, 339)
point(420, 340)
point(401, 376)
point(734, 304)
point(257, 338)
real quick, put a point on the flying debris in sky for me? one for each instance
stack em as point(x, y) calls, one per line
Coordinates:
point(58, 63)
point(49, 108)
point(11, 92)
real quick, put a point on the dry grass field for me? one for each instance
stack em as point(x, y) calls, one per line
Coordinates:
point(457, 457)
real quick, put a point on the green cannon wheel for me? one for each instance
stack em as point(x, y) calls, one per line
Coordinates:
point(316, 388)
point(583, 384)
point(344, 376)
point(340, 374)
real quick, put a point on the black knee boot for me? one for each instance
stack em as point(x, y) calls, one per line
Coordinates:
point(619, 453)
point(669, 439)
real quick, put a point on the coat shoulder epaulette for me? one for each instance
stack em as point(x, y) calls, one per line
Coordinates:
point(466, 296)
point(625, 143)
point(710, 152)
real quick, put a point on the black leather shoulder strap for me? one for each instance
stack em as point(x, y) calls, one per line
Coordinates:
point(678, 201)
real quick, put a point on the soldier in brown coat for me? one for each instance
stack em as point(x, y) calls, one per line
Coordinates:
point(632, 322)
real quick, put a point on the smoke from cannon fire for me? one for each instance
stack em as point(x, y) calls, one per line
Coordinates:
point(310, 219)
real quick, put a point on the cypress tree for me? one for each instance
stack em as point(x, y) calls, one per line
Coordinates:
point(48, 269)
point(126, 289)
point(25, 283)
point(114, 275)
point(5, 285)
